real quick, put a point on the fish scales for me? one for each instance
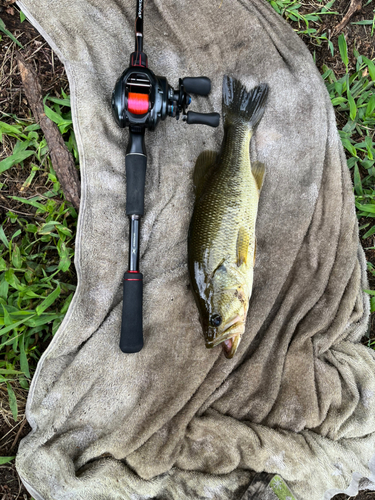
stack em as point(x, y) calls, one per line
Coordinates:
point(221, 242)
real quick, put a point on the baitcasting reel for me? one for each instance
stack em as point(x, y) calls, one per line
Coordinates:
point(139, 101)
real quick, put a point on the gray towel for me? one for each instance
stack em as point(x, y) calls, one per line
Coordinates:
point(178, 421)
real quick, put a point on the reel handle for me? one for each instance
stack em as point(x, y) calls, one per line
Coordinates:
point(210, 119)
point(200, 85)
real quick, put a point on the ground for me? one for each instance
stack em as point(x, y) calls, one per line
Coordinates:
point(53, 79)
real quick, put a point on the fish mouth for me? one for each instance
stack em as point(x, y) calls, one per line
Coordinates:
point(233, 329)
point(230, 346)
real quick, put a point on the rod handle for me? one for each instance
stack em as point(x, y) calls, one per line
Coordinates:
point(135, 165)
point(131, 339)
point(210, 119)
point(200, 85)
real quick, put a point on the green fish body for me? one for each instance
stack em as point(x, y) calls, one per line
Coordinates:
point(221, 242)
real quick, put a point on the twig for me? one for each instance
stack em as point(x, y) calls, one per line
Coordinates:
point(62, 160)
point(22, 213)
point(355, 5)
point(18, 434)
point(12, 429)
point(6, 3)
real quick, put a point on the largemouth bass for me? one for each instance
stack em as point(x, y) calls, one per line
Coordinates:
point(221, 241)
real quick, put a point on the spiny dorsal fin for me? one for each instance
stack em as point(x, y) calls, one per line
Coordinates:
point(203, 167)
point(243, 241)
point(258, 169)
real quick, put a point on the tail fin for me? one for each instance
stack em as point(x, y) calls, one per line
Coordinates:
point(241, 106)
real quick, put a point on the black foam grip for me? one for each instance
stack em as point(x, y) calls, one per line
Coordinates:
point(211, 119)
point(200, 85)
point(135, 183)
point(131, 339)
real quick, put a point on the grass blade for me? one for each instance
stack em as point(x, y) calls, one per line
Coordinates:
point(3, 238)
point(366, 208)
point(343, 48)
point(5, 460)
point(371, 67)
point(8, 33)
point(30, 202)
point(61, 102)
point(48, 301)
point(370, 106)
point(369, 233)
point(23, 358)
point(357, 181)
point(14, 159)
point(7, 329)
point(12, 402)
point(352, 106)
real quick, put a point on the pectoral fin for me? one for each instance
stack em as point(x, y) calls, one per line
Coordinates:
point(203, 168)
point(243, 241)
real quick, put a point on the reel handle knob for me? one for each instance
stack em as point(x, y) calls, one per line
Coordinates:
point(210, 119)
point(200, 85)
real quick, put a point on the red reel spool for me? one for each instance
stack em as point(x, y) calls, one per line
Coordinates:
point(138, 104)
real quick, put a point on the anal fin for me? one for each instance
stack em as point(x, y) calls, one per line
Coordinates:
point(258, 169)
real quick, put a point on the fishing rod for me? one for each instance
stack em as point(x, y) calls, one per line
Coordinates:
point(140, 100)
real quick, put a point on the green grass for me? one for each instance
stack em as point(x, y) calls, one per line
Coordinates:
point(368, 22)
point(353, 96)
point(308, 23)
point(36, 251)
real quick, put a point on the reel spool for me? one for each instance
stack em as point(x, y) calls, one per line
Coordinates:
point(138, 104)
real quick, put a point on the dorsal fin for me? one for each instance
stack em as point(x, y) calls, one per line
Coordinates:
point(243, 241)
point(203, 167)
point(258, 169)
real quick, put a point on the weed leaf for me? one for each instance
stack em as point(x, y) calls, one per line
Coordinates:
point(5, 460)
point(7, 329)
point(357, 181)
point(352, 106)
point(16, 257)
point(13, 131)
point(3, 264)
point(48, 301)
point(23, 358)
point(343, 48)
point(33, 203)
point(371, 67)
point(6, 371)
point(14, 159)
point(4, 287)
point(364, 208)
point(62, 102)
point(369, 233)
point(370, 106)
point(8, 33)
point(12, 402)
point(3, 238)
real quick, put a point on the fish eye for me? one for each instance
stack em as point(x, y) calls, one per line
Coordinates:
point(215, 320)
